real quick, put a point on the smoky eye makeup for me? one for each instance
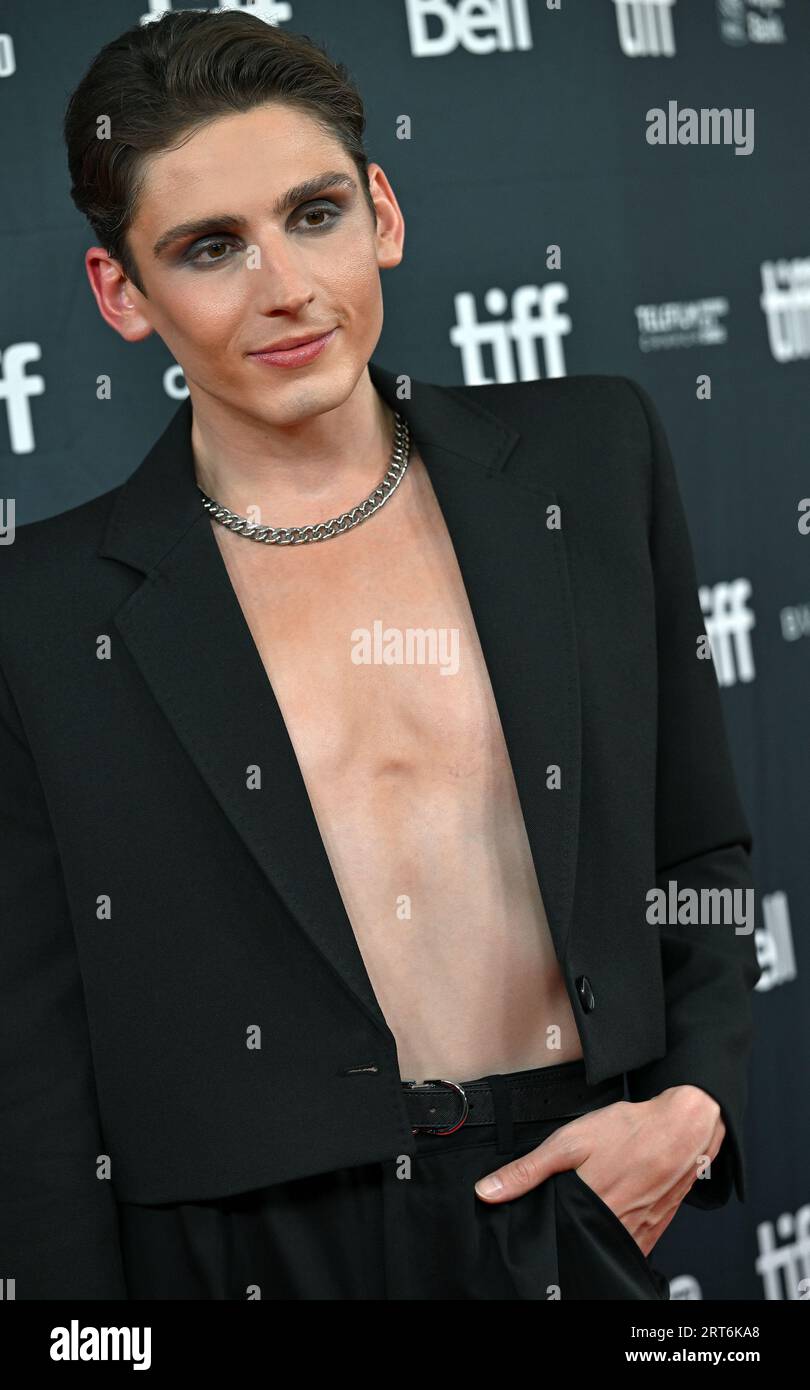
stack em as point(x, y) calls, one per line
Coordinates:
point(333, 209)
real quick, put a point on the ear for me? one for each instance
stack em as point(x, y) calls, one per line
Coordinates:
point(118, 300)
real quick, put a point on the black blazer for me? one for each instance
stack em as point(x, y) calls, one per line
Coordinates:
point(156, 908)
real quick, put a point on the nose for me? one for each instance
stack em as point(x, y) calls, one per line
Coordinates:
point(280, 276)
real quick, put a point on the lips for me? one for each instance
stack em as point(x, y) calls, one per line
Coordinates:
point(294, 353)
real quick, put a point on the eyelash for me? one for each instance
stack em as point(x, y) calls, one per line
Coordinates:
point(196, 250)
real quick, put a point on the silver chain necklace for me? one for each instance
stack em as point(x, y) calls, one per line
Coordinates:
point(323, 530)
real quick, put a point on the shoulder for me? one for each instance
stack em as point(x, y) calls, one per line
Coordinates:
point(74, 532)
point(47, 565)
point(574, 400)
point(587, 424)
point(590, 436)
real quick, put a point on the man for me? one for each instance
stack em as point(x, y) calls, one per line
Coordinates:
point(282, 981)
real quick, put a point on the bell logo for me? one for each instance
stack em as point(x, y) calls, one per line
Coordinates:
point(483, 27)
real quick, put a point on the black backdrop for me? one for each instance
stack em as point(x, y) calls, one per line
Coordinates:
point(677, 262)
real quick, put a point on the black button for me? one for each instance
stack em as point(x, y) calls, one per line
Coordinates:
point(586, 997)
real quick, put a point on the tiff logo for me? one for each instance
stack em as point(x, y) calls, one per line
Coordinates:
point(775, 954)
point(791, 1260)
point(785, 301)
point(513, 341)
point(15, 390)
point(645, 28)
point(728, 623)
point(8, 61)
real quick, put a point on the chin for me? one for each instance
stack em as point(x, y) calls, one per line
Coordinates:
point(300, 400)
point(319, 392)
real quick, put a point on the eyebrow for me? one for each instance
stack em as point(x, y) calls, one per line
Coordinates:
point(234, 221)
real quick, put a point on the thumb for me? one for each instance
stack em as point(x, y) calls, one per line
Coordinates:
point(526, 1172)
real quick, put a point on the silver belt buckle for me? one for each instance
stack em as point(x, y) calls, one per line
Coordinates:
point(433, 1129)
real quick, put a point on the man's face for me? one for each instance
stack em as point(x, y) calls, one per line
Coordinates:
point(218, 294)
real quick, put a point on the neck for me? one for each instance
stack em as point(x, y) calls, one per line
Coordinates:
point(297, 473)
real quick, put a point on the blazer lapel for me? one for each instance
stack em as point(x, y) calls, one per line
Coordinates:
point(185, 630)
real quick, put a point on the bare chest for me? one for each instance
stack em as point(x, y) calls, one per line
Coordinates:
point(370, 646)
point(371, 649)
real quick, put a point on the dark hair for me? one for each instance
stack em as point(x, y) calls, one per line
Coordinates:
point(160, 82)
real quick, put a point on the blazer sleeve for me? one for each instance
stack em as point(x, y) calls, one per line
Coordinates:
point(702, 840)
point(58, 1220)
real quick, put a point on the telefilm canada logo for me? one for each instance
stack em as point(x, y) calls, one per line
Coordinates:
point(682, 324)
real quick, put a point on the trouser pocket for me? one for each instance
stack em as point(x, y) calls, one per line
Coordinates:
point(598, 1258)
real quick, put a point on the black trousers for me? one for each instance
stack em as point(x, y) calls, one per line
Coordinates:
point(403, 1229)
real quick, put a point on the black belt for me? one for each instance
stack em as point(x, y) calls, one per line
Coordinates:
point(440, 1107)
